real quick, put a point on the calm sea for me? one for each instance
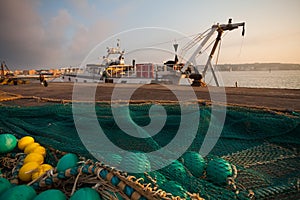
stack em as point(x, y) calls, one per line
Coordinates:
point(261, 79)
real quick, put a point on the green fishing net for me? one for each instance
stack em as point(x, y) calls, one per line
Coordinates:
point(263, 145)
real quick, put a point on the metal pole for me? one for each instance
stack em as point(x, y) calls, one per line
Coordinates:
point(2, 69)
point(220, 31)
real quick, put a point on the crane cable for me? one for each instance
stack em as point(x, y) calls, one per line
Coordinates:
point(242, 44)
point(195, 40)
point(210, 44)
point(181, 38)
point(192, 43)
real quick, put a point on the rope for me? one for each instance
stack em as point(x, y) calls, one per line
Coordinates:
point(242, 44)
point(76, 180)
point(105, 174)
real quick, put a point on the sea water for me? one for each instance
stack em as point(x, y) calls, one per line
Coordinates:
point(259, 79)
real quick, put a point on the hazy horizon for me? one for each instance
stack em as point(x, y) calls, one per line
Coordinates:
point(223, 64)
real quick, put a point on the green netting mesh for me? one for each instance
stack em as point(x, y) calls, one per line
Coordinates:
point(175, 188)
point(135, 162)
point(194, 162)
point(175, 171)
point(218, 170)
point(264, 146)
point(158, 177)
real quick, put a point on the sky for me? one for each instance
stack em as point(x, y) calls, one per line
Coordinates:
point(39, 34)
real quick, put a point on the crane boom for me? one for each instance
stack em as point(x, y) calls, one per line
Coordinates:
point(220, 28)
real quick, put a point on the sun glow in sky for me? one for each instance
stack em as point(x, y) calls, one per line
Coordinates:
point(52, 34)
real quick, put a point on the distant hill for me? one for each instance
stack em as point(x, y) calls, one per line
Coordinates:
point(257, 67)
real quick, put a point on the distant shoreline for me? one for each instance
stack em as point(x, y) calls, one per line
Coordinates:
point(257, 67)
point(221, 67)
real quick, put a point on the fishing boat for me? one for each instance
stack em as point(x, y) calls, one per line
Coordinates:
point(114, 70)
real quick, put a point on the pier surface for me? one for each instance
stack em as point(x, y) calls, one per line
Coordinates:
point(277, 99)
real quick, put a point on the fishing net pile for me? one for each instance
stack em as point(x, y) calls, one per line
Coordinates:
point(256, 156)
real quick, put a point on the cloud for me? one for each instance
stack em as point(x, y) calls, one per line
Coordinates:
point(86, 38)
point(30, 41)
point(59, 23)
point(25, 40)
point(21, 32)
point(83, 8)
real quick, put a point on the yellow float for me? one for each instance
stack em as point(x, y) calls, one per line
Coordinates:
point(34, 157)
point(28, 149)
point(46, 167)
point(27, 170)
point(25, 141)
point(41, 170)
point(40, 150)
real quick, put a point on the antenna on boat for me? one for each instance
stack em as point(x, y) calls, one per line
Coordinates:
point(175, 45)
point(118, 43)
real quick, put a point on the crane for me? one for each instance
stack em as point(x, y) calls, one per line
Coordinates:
point(191, 62)
point(4, 69)
point(7, 77)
